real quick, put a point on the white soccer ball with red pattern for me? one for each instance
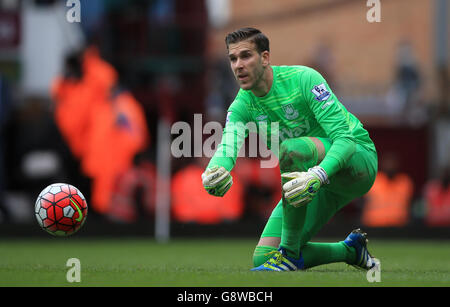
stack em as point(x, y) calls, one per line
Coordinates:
point(61, 209)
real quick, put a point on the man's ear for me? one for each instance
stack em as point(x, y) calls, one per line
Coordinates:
point(265, 58)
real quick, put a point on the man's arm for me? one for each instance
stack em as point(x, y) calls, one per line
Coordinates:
point(334, 120)
point(216, 178)
point(301, 187)
point(233, 136)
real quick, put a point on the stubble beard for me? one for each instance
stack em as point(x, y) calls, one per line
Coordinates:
point(258, 78)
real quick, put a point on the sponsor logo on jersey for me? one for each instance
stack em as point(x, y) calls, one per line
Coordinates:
point(321, 92)
point(302, 128)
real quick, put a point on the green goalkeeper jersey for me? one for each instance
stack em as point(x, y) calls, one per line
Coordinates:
point(300, 103)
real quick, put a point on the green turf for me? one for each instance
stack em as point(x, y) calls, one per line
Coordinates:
point(214, 262)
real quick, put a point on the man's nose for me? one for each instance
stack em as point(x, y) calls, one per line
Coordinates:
point(239, 64)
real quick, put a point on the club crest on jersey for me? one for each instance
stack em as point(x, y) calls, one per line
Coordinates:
point(289, 111)
point(321, 92)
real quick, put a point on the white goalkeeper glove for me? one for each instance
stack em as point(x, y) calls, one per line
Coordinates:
point(303, 186)
point(217, 181)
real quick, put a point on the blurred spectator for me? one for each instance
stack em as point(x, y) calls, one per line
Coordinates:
point(120, 133)
point(437, 200)
point(192, 204)
point(404, 97)
point(387, 204)
point(104, 126)
point(78, 91)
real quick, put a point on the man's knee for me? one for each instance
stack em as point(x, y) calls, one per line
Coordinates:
point(297, 155)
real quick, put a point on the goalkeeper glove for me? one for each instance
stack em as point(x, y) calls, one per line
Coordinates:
point(217, 181)
point(303, 186)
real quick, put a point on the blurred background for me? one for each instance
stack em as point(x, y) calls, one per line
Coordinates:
point(91, 103)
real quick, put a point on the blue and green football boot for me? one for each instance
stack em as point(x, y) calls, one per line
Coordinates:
point(358, 240)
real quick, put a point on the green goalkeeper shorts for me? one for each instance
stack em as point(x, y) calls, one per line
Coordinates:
point(349, 183)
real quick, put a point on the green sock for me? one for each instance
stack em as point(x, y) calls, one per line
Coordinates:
point(260, 255)
point(315, 254)
point(293, 220)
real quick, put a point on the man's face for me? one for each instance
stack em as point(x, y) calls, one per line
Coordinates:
point(247, 64)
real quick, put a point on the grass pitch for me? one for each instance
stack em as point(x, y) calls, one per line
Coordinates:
point(206, 263)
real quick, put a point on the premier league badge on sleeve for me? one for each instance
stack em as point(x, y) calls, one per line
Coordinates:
point(321, 92)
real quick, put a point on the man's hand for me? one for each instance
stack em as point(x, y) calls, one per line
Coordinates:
point(217, 181)
point(303, 186)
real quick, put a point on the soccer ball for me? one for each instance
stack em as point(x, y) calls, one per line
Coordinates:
point(61, 209)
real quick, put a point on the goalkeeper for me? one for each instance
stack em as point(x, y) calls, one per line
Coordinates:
point(326, 157)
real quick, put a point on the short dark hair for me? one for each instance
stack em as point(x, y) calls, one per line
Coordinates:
point(254, 35)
